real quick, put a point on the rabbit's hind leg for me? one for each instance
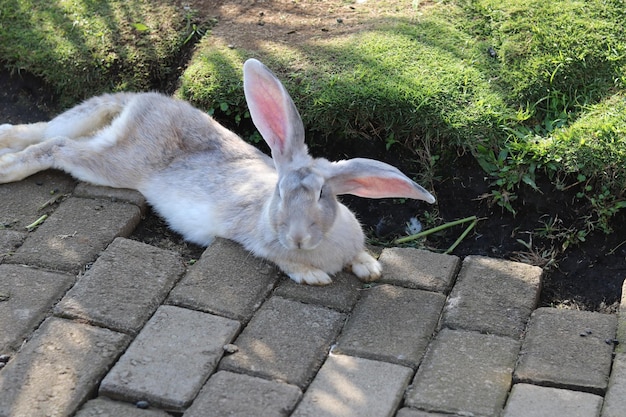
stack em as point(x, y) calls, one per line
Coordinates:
point(16, 166)
point(14, 138)
point(79, 122)
point(77, 158)
point(86, 119)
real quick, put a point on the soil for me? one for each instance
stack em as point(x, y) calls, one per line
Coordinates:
point(587, 276)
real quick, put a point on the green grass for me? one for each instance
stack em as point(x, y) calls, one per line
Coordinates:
point(401, 80)
point(82, 48)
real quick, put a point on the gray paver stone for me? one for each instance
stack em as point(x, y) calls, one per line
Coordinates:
point(464, 372)
point(23, 202)
point(75, 233)
point(615, 400)
point(104, 407)
point(392, 324)
point(351, 386)
point(340, 295)
point(227, 280)
point(26, 295)
point(567, 349)
point(124, 286)
point(621, 325)
point(416, 268)
point(411, 412)
point(86, 190)
point(171, 358)
point(9, 241)
point(285, 340)
point(230, 394)
point(493, 296)
point(534, 401)
point(57, 369)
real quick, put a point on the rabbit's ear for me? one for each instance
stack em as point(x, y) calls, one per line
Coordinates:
point(273, 112)
point(374, 179)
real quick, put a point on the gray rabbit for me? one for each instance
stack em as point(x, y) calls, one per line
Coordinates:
point(206, 181)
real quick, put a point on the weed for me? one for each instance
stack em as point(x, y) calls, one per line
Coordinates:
point(192, 29)
point(554, 231)
point(541, 257)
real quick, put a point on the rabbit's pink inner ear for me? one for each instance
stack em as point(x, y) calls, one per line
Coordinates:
point(383, 187)
point(266, 102)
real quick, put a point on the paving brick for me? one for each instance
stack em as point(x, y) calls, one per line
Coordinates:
point(87, 190)
point(9, 241)
point(171, 358)
point(75, 233)
point(26, 295)
point(411, 412)
point(227, 280)
point(230, 394)
point(493, 296)
point(285, 340)
point(351, 386)
point(57, 369)
point(533, 401)
point(340, 295)
point(416, 268)
point(392, 324)
point(104, 407)
point(567, 349)
point(464, 372)
point(124, 286)
point(621, 323)
point(615, 400)
point(22, 201)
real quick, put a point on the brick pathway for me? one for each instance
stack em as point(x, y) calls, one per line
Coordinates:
point(92, 324)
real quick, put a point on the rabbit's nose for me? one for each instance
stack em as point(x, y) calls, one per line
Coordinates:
point(300, 240)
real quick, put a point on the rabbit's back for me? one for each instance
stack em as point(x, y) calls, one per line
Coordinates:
point(151, 134)
point(198, 175)
point(166, 129)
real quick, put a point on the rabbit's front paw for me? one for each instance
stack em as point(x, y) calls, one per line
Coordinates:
point(366, 268)
point(311, 277)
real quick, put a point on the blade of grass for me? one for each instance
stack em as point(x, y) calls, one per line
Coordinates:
point(463, 235)
point(36, 223)
point(434, 230)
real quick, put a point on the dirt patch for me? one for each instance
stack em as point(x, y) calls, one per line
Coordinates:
point(22, 99)
point(259, 24)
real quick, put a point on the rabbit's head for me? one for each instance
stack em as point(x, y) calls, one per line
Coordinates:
point(304, 205)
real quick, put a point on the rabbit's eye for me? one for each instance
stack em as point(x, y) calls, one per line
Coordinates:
point(319, 197)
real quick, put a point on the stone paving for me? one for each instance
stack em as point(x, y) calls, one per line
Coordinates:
point(93, 323)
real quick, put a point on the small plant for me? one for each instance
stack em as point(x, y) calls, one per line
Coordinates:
point(191, 28)
point(507, 174)
point(554, 231)
point(541, 257)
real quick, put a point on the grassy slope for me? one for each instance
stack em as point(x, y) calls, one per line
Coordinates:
point(82, 48)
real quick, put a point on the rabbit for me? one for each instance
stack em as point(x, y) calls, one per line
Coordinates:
point(205, 181)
